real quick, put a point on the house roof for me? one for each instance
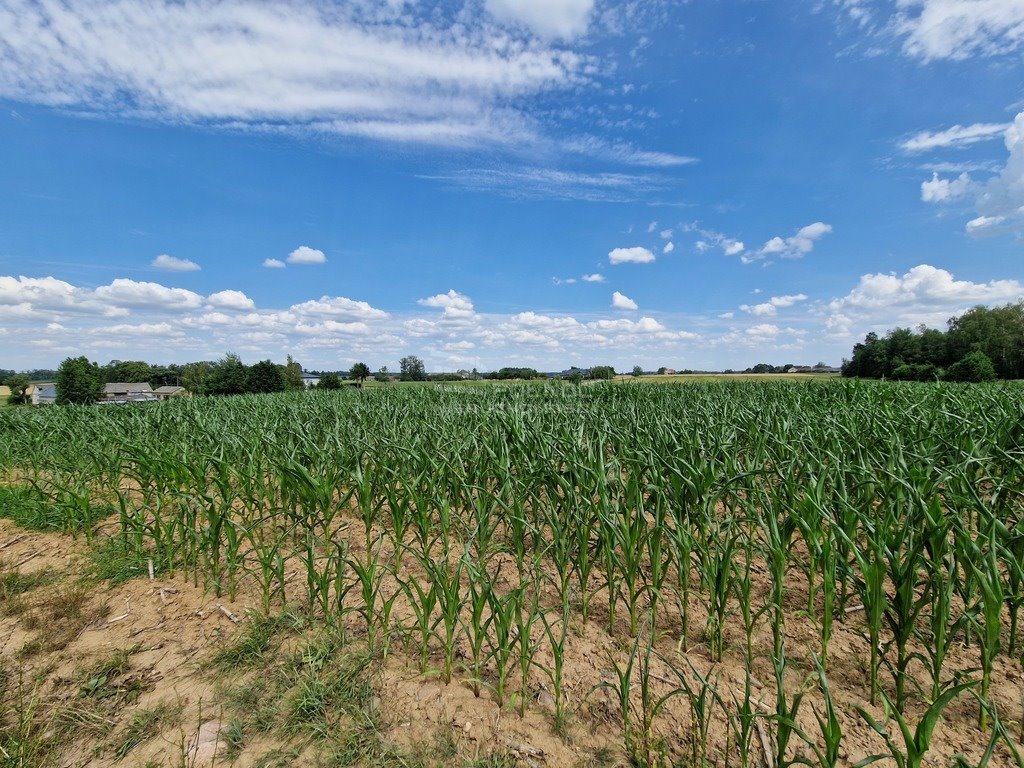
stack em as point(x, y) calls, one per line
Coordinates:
point(168, 390)
point(47, 390)
point(116, 387)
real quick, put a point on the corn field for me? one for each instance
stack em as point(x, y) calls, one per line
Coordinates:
point(775, 574)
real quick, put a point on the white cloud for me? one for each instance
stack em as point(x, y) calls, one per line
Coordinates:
point(172, 264)
point(945, 190)
point(231, 300)
point(666, 234)
point(549, 18)
point(957, 136)
point(794, 247)
point(338, 306)
point(273, 264)
point(924, 294)
point(454, 304)
point(669, 247)
point(637, 255)
point(730, 246)
point(1001, 199)
point(652, 226)
point(959, 29)
point(763, 331)
point(305, 255)
point(770, 307)
point(132, 293)
point(597, 277)
point(552, 184)
point(627, 154)
point(620, 301)
point(983, 223)
point(389, 71)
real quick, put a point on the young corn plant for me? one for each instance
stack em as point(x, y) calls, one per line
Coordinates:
point(914, 744)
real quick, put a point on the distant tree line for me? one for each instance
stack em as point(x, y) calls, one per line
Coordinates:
point(982, 344)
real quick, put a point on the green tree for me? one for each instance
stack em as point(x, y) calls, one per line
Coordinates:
point(974, 366)
point(412, 369)
point(359, 373)
point(128, 371)
point(265, 376)
point(195, 377)
point(228, 377)
point(78, 382)
point(292, 374)
point(638, 371)
point(382, 376)
point(18, 384)
point(329, 381)
point(602, 372)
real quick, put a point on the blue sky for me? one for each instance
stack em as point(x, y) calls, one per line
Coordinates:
point(503, 182)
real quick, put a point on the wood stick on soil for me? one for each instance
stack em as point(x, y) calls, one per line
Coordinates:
point(13, 541)
point(227, 613)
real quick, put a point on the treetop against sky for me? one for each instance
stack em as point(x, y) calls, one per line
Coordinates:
point(503, 182)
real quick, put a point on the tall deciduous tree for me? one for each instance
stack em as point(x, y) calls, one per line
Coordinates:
point(359, 372)
point(265, 376)
point(229, 376)
point(78, 382)
point(18, 384)
point(293, 374)
point(412, 369)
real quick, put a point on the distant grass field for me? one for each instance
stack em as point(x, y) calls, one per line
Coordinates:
point(692, 377)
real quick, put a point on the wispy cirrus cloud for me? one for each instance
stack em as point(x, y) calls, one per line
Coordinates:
point(377, 70)
point(956, 136)
point(959, 29)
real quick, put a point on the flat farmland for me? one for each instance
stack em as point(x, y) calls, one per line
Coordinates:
point(758, 572)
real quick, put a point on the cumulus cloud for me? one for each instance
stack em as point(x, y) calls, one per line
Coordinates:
point(273, 264)
point(172, 264)
point(795, 247)
point(549, 18)
point(132, 293)
point(924, 294)
point(636, 255)
point(305, 255)
point(669, 247)
point(999, 200)
point(389, 71)
point(711, 239)
point(770, 307)
point(621, 301)
point(597, 277)
point(945, 190)
point(338, 306)
point(230, 300)
point(959, 29)
point(454, 304)
point(957, 136)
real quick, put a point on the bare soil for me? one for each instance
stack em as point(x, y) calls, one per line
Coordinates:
point(135, 675)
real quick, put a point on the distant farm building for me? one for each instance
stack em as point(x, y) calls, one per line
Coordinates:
point(121, 392)
point(310, 380)
point(42, 394)
point(166, 393)
point(811, 369)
